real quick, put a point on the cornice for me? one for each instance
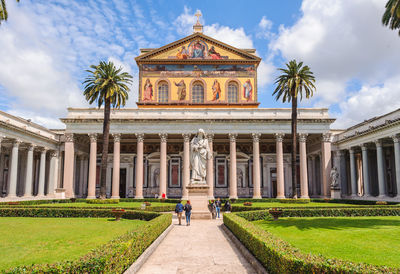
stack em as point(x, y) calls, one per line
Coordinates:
point(26, 132)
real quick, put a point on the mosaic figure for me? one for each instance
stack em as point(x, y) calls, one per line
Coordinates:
point(148, 91)
point(216, 88)
point(247, 90)
point(181, 90)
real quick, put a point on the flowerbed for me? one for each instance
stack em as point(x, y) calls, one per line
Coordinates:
point(278, 256)
point(114, 257)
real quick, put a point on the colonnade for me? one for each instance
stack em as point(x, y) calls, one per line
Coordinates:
point(279, 137)
point(29, 170)
point(380, 164)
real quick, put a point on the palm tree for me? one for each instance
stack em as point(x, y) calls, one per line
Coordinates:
point(3, 11)
point(391, 16)
point(291, 83)
point(109, 86)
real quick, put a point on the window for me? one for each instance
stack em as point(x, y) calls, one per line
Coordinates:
point(198, 93)
point(232, 93)
point(163, 92)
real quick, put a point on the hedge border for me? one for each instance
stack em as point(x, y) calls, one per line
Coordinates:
point(83, 200)
point(113, 257)
point(278, 256)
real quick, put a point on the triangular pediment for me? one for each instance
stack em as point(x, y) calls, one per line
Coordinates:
point(197, 47)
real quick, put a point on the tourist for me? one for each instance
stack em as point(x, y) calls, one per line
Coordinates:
point(188, 212)
point(212, 209)
point(218, 205)
point(227, 206)
point(179, 210)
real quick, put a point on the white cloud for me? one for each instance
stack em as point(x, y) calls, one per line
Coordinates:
point(343, 41)
point(265, 73)
point(234, 37)
point(264, 28)
point(185, 21)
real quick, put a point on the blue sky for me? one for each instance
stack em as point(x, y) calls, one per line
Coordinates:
point(45, 47)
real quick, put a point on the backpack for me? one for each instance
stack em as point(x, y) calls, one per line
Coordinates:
point(176, 208)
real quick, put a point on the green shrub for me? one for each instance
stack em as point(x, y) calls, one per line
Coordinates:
point(114, 257)
point(294, 201)
point(350, 201)
point(322, 212)
point(102, 201)
point(172, 201)
point(278, 256)
point(74, 212)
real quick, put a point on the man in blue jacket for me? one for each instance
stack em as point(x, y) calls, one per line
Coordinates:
point(179, 210)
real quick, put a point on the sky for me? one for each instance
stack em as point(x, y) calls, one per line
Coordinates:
point(47, 45)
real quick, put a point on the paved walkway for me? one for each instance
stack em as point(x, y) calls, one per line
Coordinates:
point(201, 247)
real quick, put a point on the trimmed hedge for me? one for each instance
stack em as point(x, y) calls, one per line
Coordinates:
point(349, 201)
point(322, 212)
point(166, 208)
point(114, 257)
point(173, 201)
point(278, 256)
point(294, 201)
point(102, 201)
point(74, 213)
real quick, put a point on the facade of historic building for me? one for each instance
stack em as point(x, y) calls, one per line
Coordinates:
point(198, 82)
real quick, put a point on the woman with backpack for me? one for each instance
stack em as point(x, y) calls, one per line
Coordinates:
point(188, 212)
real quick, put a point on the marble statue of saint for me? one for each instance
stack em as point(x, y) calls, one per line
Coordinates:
point(334, 178)
point(199, 153)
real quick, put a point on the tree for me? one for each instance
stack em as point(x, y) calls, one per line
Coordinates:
point(391, 16)
point(295, 79)
point(109, 86)
point(3, 11)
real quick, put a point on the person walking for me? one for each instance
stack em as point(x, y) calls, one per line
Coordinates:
point(188, 212)
point(213, 209)
point(228, 207)
point(218, 206)
point(179, 210)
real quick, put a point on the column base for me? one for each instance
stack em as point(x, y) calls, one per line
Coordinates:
point(115, 197)
point(213, 198)
point(304, 197)
point(280, 197)
point(90, 197)
point(382, 197)
point(12, 196)
point(257, 197)
point(139, 197)
point(27, 196)
point(233, 197)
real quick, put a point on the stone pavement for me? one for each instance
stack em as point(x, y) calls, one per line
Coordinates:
point(201, 247)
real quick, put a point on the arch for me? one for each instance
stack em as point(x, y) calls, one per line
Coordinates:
point(228, 82)
point(197, 94)
point(163, 90)
point(232, 92)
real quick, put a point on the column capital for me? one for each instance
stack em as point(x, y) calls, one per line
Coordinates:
point(303, 137)
point(30, 147)
point(43, 149)
point(186, 137)
point(378, 142)
point(163, 137)
point(69, 137)
point(232, 137)
point(53, 153)
point(279, 137)
point(93, 137)
point(395, 138)
point(1, 138)
point(210, 137)
point(140, 137)
point(16, 142)
point(364, 147)
point(117, 137)
point(327, 137)
point(256, 137)
point(313, 156)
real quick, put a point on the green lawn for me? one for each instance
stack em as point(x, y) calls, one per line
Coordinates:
point(277, 204)
point(373, 240)
point(120, 204)
point(26, 241)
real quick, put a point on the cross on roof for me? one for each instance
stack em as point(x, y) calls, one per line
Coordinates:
point(198, 14)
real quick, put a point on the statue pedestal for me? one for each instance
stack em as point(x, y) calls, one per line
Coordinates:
point(335, 193)
point(198, 196)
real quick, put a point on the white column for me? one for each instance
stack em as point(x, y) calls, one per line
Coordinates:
point(92, 166)
point(12, 192)
point(163, 164)
point(116, 166)
point(256, 166)
point(396, 147)
point(326, 164)
point(232, 169)
point(210, 167)
point(29, 171)
point(381, 169)
point(42, 172)
point(186, 165)
point(69, 161)
point(53, 176)
point(139, 166)
point(280, 181)
point(364, 150)
point(353, 173)
point(303, 166)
